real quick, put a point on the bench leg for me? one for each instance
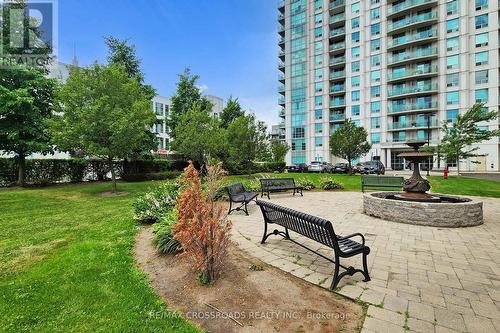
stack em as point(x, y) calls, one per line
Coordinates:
point(268, 197)
point(293, 192)
point(301, 193)
point(230, 206)
point(246, 209)
point(336, 278)
point(365, 269)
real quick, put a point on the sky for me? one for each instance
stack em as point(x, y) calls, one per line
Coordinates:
point(231, 44)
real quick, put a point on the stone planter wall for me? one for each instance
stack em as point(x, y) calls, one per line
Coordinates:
point(462, 214)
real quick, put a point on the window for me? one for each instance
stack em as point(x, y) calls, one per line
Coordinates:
point(375, 29)
point(375, 107)
point(375, 60)
point(481, 21)
point(482, 77)
point(318, 74)
point(482, 95)
point(452, 62)
point(318, 32)
point(318, 114)
point(451, 115)
point(375, 76)
point(453, 44)
point(318, 100)
point(318, 4)
point(452, 80)
point(318, 60)
point(375, 45)
point(318, 141)
point(318, 87)
point(318, 47)
point(355, 7)
point(482, 58)
point(355, 23)
point(355, 81)
point(374, 2)
point(355, 37)
point(318, 128)
point(375, 91)
point(318, 18)
point(375, 137)
point(355, 52)
point(452, 25)
point(452, 7)
point(375, 13)
point(481, 4)
point(159, 109)
point(355, 95)
point(452, 97)
point(355, 66)
point(375, 122)
point(482, 39)
point(355, 110)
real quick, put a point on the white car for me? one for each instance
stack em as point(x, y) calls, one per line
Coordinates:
point(321, 167)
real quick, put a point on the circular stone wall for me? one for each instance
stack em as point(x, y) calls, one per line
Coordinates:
point(468, 212)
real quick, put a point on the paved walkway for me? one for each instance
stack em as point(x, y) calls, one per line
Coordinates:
point(424, 279)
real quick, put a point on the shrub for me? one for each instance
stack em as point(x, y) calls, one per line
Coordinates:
point(252, 185)
point(329, 184)
point(306, 184)
point(202, 228)
point(153, 206)
point(149, 166)
point(139, 177)
point(163, 235)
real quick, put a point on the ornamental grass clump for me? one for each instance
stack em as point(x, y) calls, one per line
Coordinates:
point(329, 184)
point(202, 227)
point(163, 235)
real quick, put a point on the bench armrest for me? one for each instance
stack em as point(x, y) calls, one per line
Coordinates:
point(352, 235)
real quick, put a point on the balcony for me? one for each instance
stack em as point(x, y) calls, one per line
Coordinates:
point(281, 54)
point(281, 17)
point(281, 41)
point(337, 32)
point(409, 4)
point(336, 5)
point(281, 5)
point(408, 139)
point(337, 75)
point(409, 125)
point(337, 117)
point(412, 107)
point(281, 101)
point(420, 37)
point(413, 73)
point(337, 61)
point(281, 124)
point(281, 66)
point(411, 21)
point(337, 47)
point(281, 89)
point(337, 18)
point(411, 56)
point(336, 89)
point(282, 113)
point(281, 77)
point(337, 103)
point(413, 90)
point(281, 29)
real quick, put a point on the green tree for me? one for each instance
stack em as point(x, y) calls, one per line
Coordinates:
point(121, 53)
point(349, 142)
point(279, 150)
point(464, 132)
point(231, 111)
point(242, 143)
point(26, 102)
point(188, 97)
point(103, 112)
point(198, 136)
point(262, 151)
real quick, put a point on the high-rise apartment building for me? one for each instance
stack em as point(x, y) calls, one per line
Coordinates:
point(398, 68)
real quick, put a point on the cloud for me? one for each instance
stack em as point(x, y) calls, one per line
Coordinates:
point(266, 108)
point(202, 87)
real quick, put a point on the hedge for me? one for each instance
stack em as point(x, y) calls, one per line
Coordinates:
point(47, 171)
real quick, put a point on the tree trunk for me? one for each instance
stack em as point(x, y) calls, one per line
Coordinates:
point(350, 167)
point(21, 169)
point(113, 175)
point(458, 166)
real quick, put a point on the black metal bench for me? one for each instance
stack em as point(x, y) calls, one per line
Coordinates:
point(381, 181)
point(278, 185)
point(238, 194)
point(317, 229)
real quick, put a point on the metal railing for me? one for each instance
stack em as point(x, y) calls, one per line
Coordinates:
point(412, 72)
point(412, 107)
point(412, 89)
point(412, 55)
point(407, 4)
point(412, 38)
point(411, 20)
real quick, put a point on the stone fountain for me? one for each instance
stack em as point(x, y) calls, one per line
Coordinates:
point(416, 206)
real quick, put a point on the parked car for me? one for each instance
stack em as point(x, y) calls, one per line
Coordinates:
point(341, 168)
point(357, 168)
point(302, 167)
point(321, 167)
point(373, 167)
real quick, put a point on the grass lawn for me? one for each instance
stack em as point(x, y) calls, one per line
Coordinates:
point(66, 263)
point(452, 185)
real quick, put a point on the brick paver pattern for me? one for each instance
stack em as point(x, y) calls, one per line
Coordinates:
point(424, 279)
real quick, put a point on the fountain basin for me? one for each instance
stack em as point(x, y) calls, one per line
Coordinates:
point(444, 211)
